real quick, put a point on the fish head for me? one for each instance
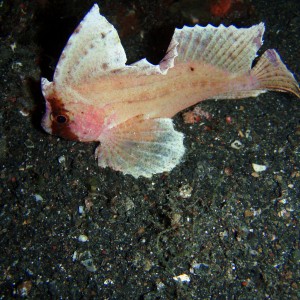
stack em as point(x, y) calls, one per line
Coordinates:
point(56, 119)
point(69, 117)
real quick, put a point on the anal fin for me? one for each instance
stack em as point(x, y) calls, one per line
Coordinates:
point(141, 147)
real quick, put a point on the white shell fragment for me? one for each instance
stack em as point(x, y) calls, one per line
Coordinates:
point(259, 168)
point(74, 256)
point(80, 209)
point(83, 238)
point(236, 145)
point(62, 159)
point(38, 197)
point(108, 281)
point(86, 260)
point(182, 278)
point(185, 191)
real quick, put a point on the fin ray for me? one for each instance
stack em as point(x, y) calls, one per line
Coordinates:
point(93, 49)
point(272, 74)
point(141, 147)
point(229, 48)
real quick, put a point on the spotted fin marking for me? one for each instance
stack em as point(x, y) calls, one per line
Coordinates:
point(92, 50)
point(141, 147)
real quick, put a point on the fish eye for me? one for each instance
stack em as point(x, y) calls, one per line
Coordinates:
point(61, 119)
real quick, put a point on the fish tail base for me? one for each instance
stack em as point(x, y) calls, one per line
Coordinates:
point(272, 74)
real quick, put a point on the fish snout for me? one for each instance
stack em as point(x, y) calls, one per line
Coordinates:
point(46, 120)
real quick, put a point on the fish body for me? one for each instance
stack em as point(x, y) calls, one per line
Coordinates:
point(95, 96)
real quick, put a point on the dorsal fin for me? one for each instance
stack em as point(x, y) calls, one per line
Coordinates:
point(93, 49)
point(229, 48)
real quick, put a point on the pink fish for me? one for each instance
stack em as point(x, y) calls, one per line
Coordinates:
point(95, 96)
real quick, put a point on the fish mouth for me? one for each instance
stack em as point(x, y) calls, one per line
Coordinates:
point(46, 120)
point(46, 124)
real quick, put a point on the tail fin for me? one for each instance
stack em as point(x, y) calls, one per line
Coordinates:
point(272, 74)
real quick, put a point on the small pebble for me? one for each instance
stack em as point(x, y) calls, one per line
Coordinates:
point(108, 281)
point(62, 159)
point(228, 119)
point(38, 197)
point(74, 256)
point(29, 144)
point(89, 265)
point(185, 191)
point(182, 278)
point(259, 168)
point(24, 288)
point(228, 171)
point(248, 134)
point(80, 209)
point(160, 285)
point(236, 145)
point(87, 261)
point(83, 238)
point(255, 174)
point(248, 213)
point(24, 112)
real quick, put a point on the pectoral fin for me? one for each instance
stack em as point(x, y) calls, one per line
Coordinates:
point(141, 147)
